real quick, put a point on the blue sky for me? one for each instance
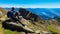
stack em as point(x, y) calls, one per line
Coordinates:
point(30, 3)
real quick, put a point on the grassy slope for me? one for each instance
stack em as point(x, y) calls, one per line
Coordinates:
point(5, 31)
point(53, 29)
point(2, 30)
point(38, 27)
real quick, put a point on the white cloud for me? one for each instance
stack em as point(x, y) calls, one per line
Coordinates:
point(31, 6)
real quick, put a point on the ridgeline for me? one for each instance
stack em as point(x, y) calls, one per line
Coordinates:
point(33, 22)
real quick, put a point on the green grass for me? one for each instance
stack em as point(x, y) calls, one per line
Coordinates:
point(53, 29)
point(9, 32)
point(4, 31)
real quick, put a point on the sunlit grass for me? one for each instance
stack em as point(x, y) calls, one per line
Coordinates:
point(53, 29)
point(8, 32)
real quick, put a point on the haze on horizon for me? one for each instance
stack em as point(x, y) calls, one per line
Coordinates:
point(30, 3)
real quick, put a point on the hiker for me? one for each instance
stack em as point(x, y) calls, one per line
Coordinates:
point(11, 15)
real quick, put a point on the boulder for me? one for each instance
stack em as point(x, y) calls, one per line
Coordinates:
point(29, 15)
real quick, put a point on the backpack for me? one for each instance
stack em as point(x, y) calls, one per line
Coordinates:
point(10, 14)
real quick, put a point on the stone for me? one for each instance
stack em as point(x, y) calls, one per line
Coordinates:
point(45, 32)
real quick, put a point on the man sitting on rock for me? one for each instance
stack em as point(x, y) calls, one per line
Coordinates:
point(11, 15)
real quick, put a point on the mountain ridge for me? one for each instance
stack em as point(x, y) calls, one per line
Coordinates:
point(36, 20)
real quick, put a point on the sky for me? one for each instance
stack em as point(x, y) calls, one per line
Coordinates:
point(30, 3)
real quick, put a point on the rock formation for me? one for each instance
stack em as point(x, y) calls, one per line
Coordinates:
point(36, 23)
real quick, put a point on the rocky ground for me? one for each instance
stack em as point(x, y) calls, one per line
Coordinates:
point(40, 26)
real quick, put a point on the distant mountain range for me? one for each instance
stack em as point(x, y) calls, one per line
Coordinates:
point(33, 15)
point(45, 13)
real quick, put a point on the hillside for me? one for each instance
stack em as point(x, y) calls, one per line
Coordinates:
point(33, 21)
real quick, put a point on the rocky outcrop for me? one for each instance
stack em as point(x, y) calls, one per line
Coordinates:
point(58, 19)
point(41, 24)
point(28, 15)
